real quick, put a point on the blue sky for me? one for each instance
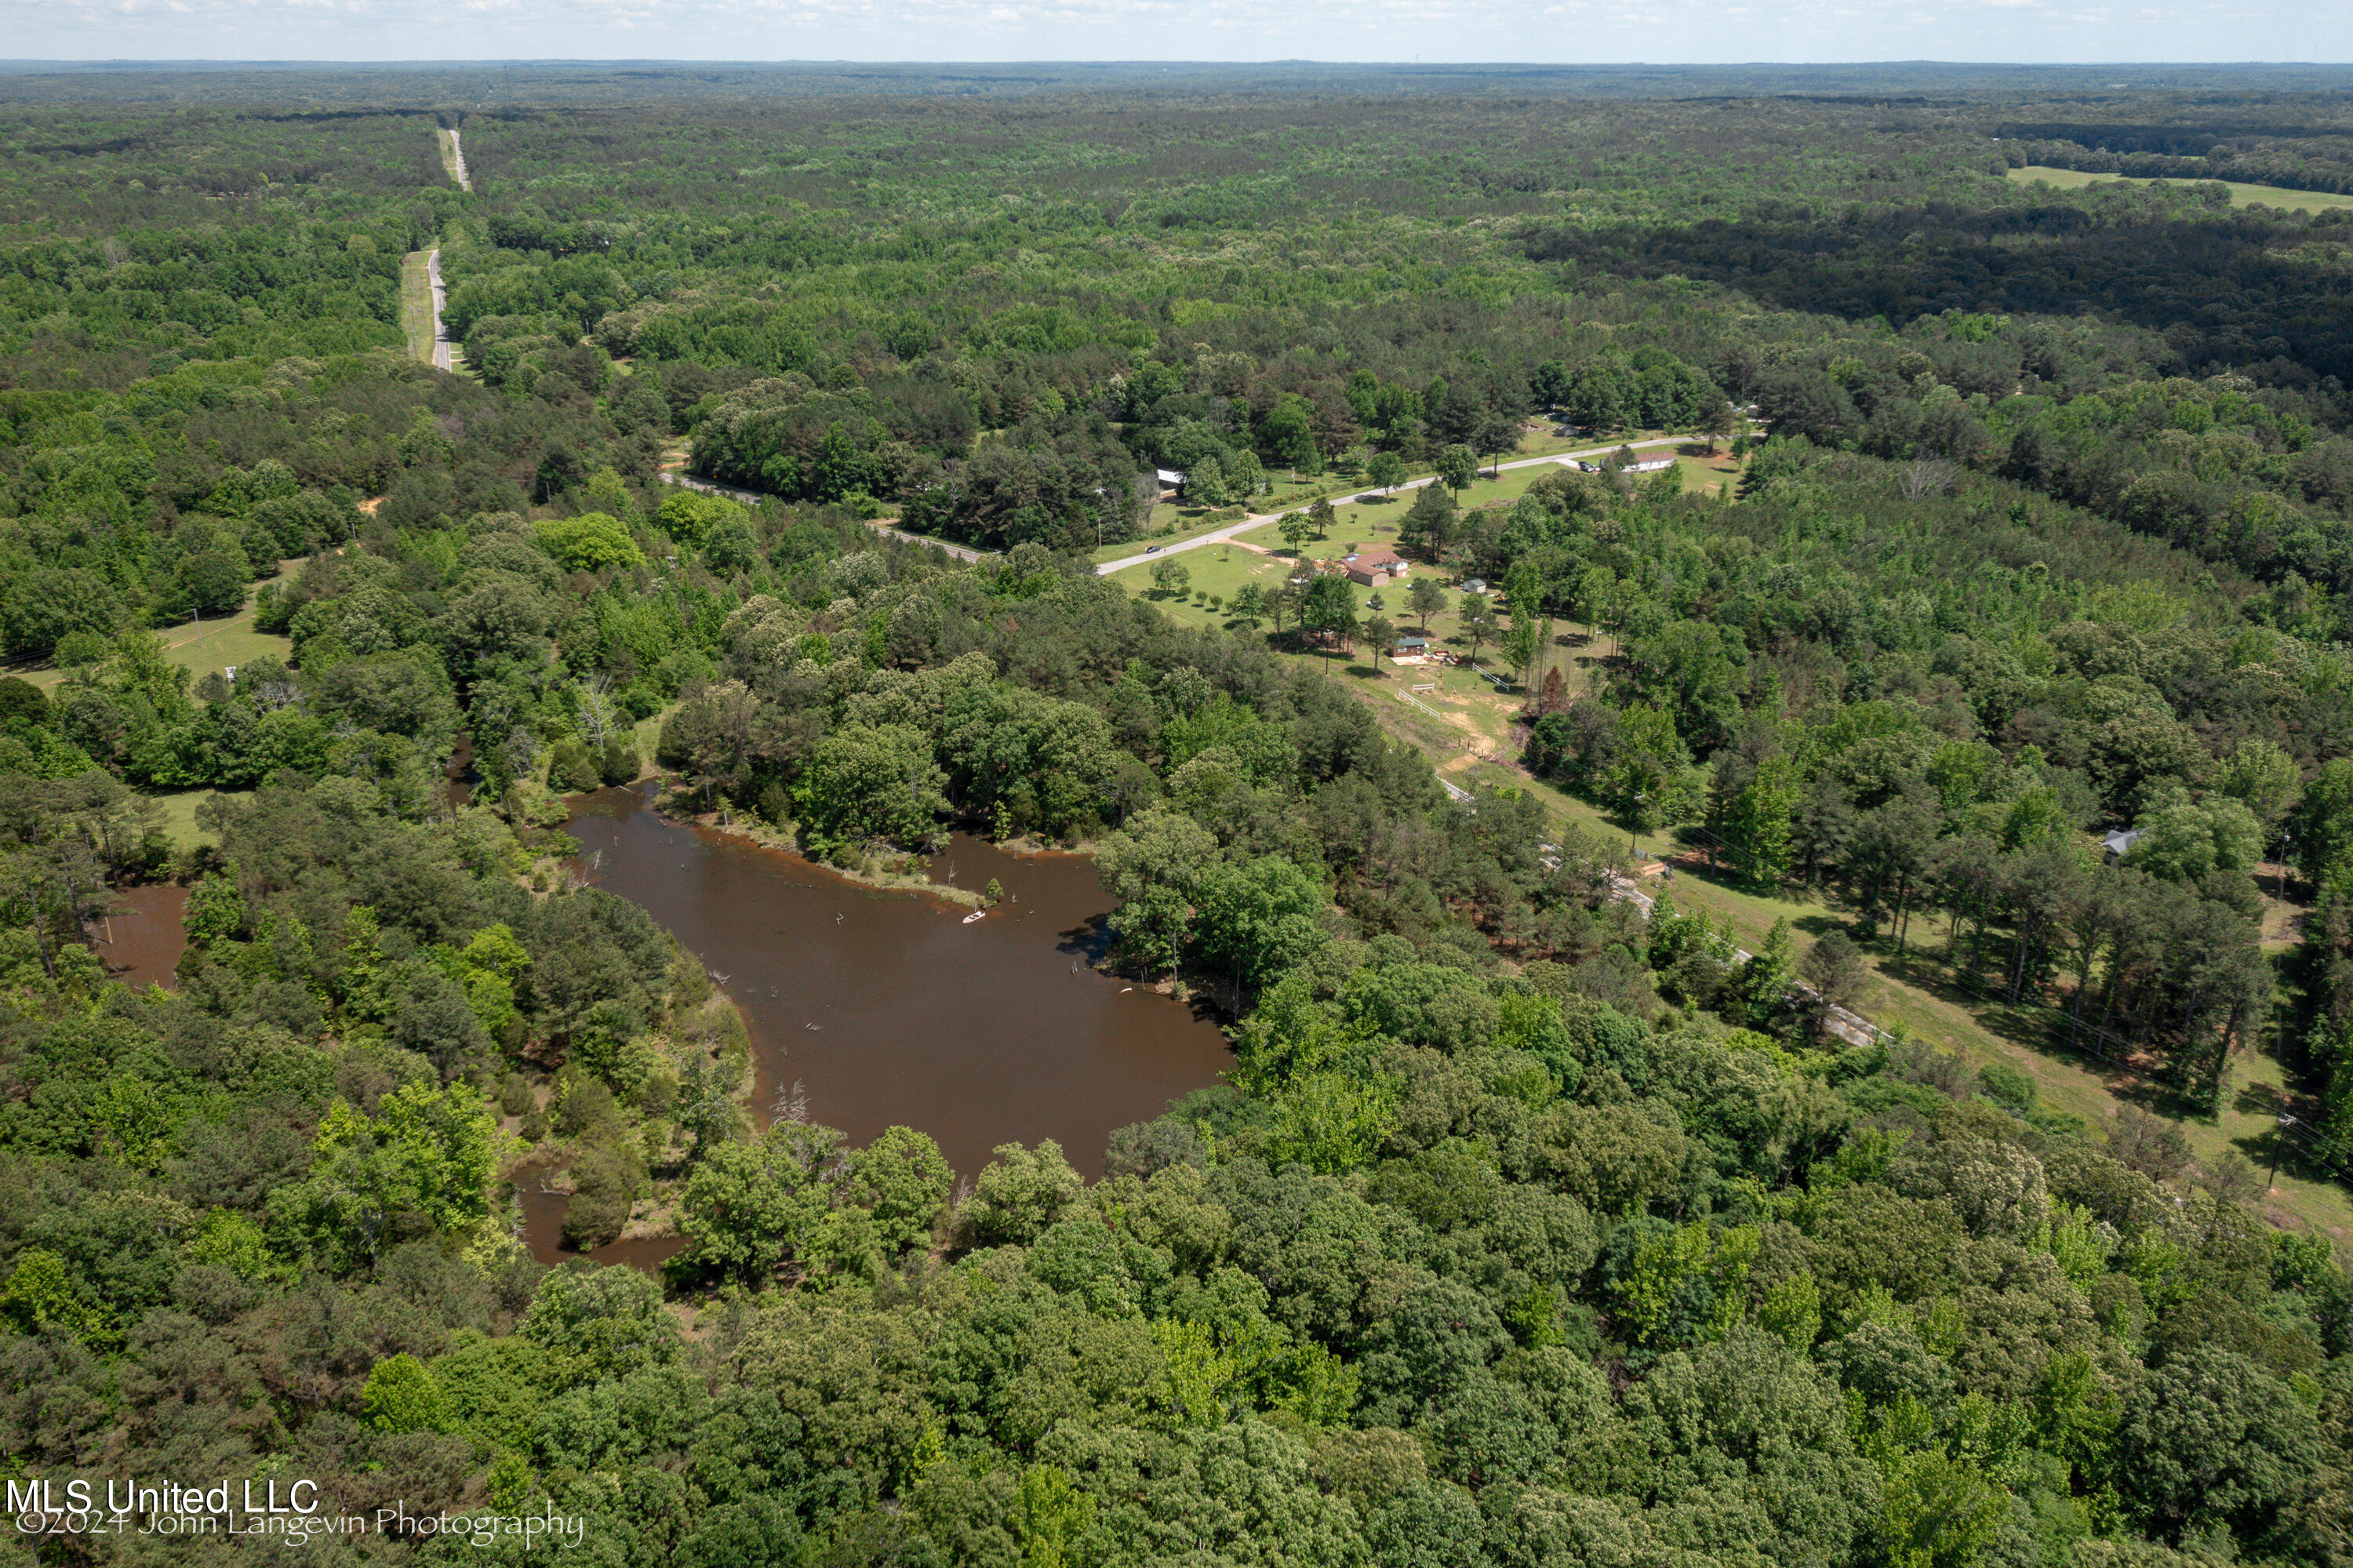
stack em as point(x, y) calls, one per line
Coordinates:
point(1535, 31)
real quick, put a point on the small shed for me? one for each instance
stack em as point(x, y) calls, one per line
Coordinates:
point(2119, 843)
point(1410, 646)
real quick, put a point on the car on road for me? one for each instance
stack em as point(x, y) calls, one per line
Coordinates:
point(1151, 549)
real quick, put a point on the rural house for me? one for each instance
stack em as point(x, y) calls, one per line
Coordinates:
point(1375, 566)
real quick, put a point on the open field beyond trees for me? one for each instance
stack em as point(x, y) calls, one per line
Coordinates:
point(2240, 194)
point(1813, 1025)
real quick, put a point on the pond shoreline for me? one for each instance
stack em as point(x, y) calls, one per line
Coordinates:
point(752, 830)
point(876, 1001)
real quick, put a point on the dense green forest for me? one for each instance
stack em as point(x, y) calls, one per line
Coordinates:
point(1525, 1230)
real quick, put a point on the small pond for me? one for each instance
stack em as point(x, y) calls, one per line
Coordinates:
point(887, 1009)
point(140, 935)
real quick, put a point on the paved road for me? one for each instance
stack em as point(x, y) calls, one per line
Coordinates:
point(741, 497)
point(458, 157)
point(445, 356)
point(1219, 536)
point(961, 552)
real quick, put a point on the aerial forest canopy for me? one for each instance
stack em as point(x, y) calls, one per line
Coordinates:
point(1536, 1225)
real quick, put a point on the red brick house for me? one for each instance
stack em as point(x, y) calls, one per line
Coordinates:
point(1375, 567)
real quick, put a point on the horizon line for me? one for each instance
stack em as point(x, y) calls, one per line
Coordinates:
point(740, 64)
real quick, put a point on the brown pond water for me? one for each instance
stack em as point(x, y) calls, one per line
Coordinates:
point(543, 1231)
point(888, 1009)
point(457, 776)
point(140, 937)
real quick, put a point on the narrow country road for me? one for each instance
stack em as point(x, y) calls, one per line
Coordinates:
point(445, 356)
point(961, 552)
point(1219, 536)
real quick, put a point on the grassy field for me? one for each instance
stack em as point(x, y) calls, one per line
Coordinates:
point(1173, 525)
point(417, 306)
point(180, 817)
point(2240, 194)
point(1468, 728)
point(203, 647)
point(1916, 990)
point(1377, 521)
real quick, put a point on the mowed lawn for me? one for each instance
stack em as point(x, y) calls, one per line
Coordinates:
point(416, 305)
point(1467, 726)
point(1377, 521)
point(180, 815)
point(1914, 992)
point(204, 647)
point(1172, 523)
point(2240, 194)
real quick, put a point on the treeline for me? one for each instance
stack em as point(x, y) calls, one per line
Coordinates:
point(1526, 1232)
point(1489, 1252)
point(1780, 680)
point(2314, 157)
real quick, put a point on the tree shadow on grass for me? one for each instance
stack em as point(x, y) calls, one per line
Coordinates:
point(2264, 1099)
point(2138, 1081)
point(2270, 1146)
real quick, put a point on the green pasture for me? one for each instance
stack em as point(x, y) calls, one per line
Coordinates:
point(2240, 194)
point(417, 306)
point(204, 647)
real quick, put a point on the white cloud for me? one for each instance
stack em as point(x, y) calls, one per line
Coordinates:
point(1428, 31)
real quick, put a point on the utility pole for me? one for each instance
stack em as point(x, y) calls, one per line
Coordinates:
point(2278, 1138)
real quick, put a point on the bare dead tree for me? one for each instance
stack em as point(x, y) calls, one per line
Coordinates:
point(1924, 477)
point(599, 714)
